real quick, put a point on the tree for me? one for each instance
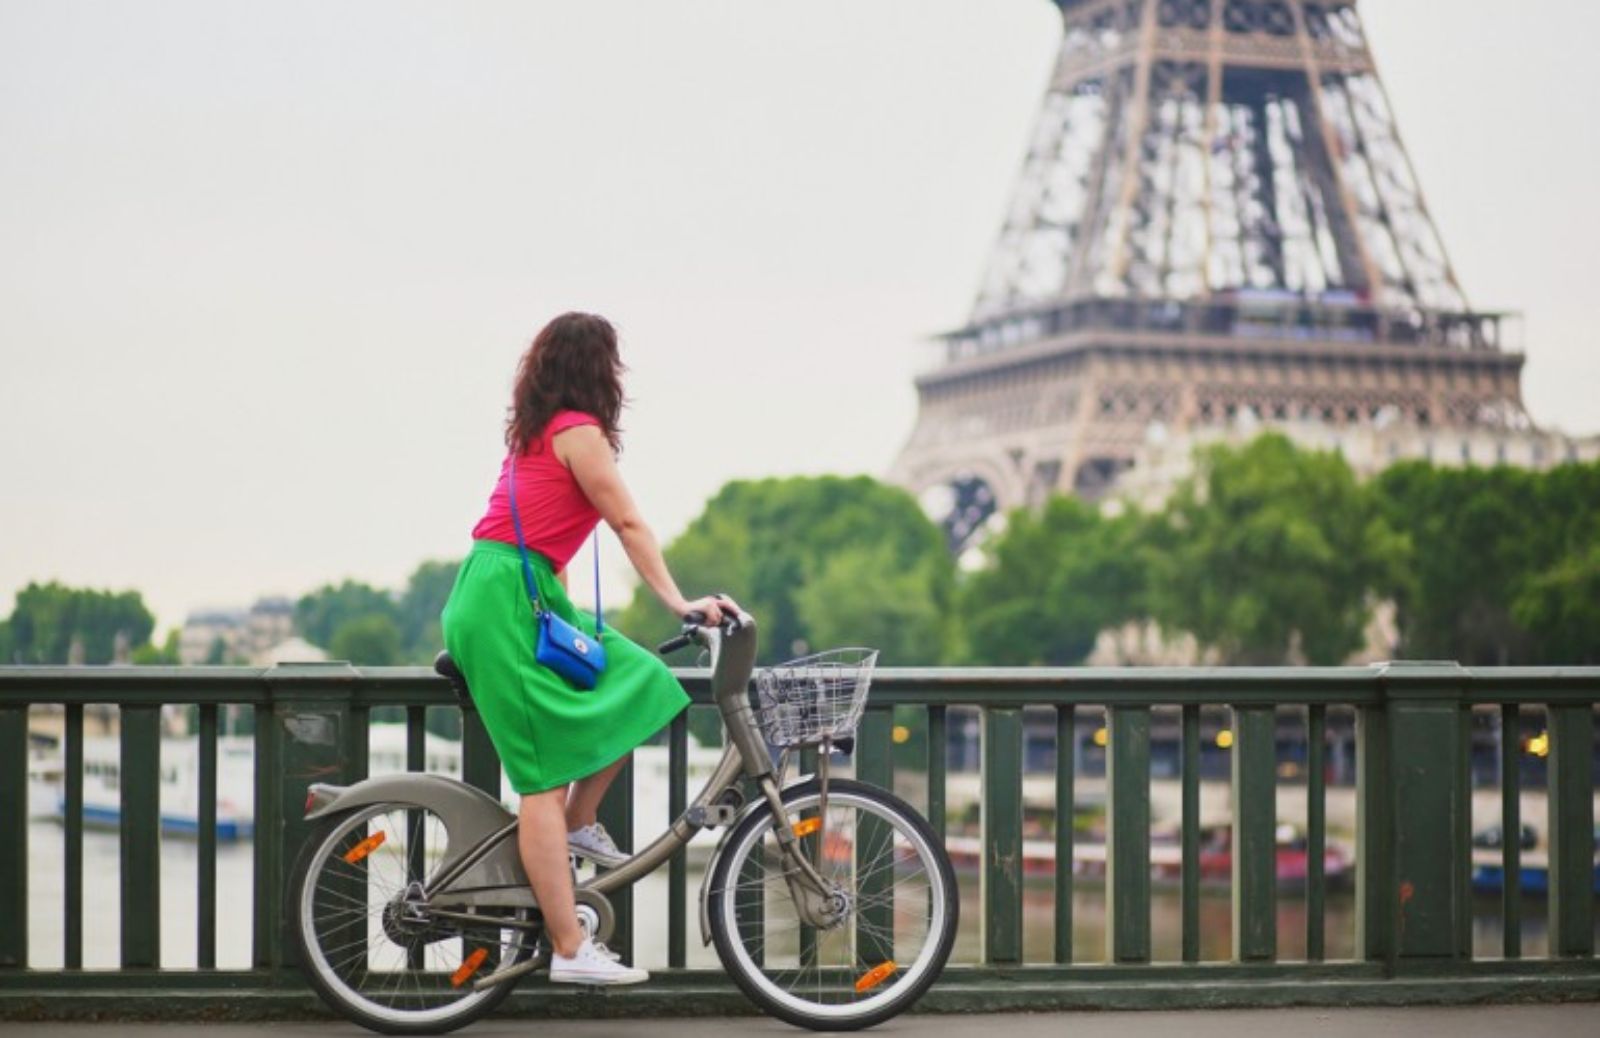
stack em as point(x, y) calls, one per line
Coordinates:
point(767, 541)
point(1271, 549)
point(863, 596)
point(419, 607)
point(1557, 601)
point(217, 654)
point(53, 623)
point(1051, 581)
point(372, 640)
point(167, 655)
point(319, 615)
point(1501, 558)
point(1470, 543)
point(1561, 607)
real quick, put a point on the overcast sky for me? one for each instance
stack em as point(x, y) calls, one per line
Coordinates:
point(266, 268)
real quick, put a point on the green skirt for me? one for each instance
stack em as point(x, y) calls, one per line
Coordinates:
point(547, 731)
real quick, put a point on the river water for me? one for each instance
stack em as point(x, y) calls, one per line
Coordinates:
point(235, 885)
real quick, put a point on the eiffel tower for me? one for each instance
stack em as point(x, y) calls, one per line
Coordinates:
point(1216, 218)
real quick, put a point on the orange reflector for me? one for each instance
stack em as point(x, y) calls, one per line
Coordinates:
point(364, 848)
point(807, 826)
point(875, 976)
point(468, 968)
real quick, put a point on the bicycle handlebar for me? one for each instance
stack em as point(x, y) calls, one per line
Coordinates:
point(692, 622)
point(674, 644)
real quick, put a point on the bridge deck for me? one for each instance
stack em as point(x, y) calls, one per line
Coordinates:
point(1525, 1021)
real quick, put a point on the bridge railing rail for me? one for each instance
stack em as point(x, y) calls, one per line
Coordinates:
point(1412, 733)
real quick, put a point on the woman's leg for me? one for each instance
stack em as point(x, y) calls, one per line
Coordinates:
point(583, 799)
point(542, 841)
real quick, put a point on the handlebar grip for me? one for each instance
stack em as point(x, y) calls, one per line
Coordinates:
point(692, 619)
point(672, 644)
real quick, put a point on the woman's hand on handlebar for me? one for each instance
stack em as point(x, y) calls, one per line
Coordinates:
point(711, 611)
point(711, 607)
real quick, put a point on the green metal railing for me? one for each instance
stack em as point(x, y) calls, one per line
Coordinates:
point(1412, 729)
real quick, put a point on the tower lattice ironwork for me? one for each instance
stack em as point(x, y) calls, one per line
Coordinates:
point(1215, 217)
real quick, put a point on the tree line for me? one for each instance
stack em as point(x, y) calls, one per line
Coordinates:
point(1268, 553)
point(54, 624)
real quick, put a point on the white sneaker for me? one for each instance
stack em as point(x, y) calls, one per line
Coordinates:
point(594, 843)
point(592, 966)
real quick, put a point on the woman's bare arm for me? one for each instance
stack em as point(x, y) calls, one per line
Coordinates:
point(585, 450)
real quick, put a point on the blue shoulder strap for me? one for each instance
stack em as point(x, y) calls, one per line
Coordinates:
point(599, 619)
point(516, 523)
point(522, 549)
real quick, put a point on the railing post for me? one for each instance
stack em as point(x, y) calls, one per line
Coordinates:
point(1128, 835)
point(1316, 828)
point(1375, 881)
point(874, 759)
point(1066, 801)
point(678, 868)
point(309, 740)
point(1255, 874)
point(140, 845)
point(1431, 810)
point(1189, 784)
point(1571, 825)
point(938, 747)
point(616, 814)
point(1000, 875)
point(480, 764)
point(267, 844)
point(72, 856)
point(14, 836)
point(1511, 829)
point(206, 841)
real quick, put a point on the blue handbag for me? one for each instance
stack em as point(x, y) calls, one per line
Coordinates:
point(557, 644)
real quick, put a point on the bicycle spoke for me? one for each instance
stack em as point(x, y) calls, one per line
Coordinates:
point(885, 872)
point(373, 939)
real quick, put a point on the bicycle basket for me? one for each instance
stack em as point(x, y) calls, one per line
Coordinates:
point(815, 697)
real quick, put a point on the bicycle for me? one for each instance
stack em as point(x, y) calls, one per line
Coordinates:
point(831, 902)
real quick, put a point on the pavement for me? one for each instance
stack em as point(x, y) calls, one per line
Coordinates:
point(1577, 1020)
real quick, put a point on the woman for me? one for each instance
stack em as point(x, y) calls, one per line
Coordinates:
point(562, 746)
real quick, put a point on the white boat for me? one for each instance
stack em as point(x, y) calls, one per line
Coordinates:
point(44, 784)
point(179, 775)
point(386, 754)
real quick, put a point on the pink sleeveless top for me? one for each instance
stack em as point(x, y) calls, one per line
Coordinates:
point(556, 517)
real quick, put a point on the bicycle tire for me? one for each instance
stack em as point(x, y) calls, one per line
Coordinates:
point(324, 837)
point(753, 980)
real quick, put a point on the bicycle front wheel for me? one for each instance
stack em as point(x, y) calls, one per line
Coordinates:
point(884, 866)
point(374, 947)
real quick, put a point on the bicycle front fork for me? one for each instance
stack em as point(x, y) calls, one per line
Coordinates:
point(816, 901)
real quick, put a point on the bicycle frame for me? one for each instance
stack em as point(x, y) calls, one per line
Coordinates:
point(487, 871)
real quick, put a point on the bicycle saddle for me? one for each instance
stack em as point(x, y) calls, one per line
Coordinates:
point(446, 668)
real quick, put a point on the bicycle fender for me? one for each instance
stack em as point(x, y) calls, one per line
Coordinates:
point(470, 816)
point(711, 867)
point(711, 862)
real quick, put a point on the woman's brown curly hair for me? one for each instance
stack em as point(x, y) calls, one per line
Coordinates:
point(573, 364)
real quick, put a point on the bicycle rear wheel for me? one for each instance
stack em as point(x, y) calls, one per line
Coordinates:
point(372, 947)
point(884, 862)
